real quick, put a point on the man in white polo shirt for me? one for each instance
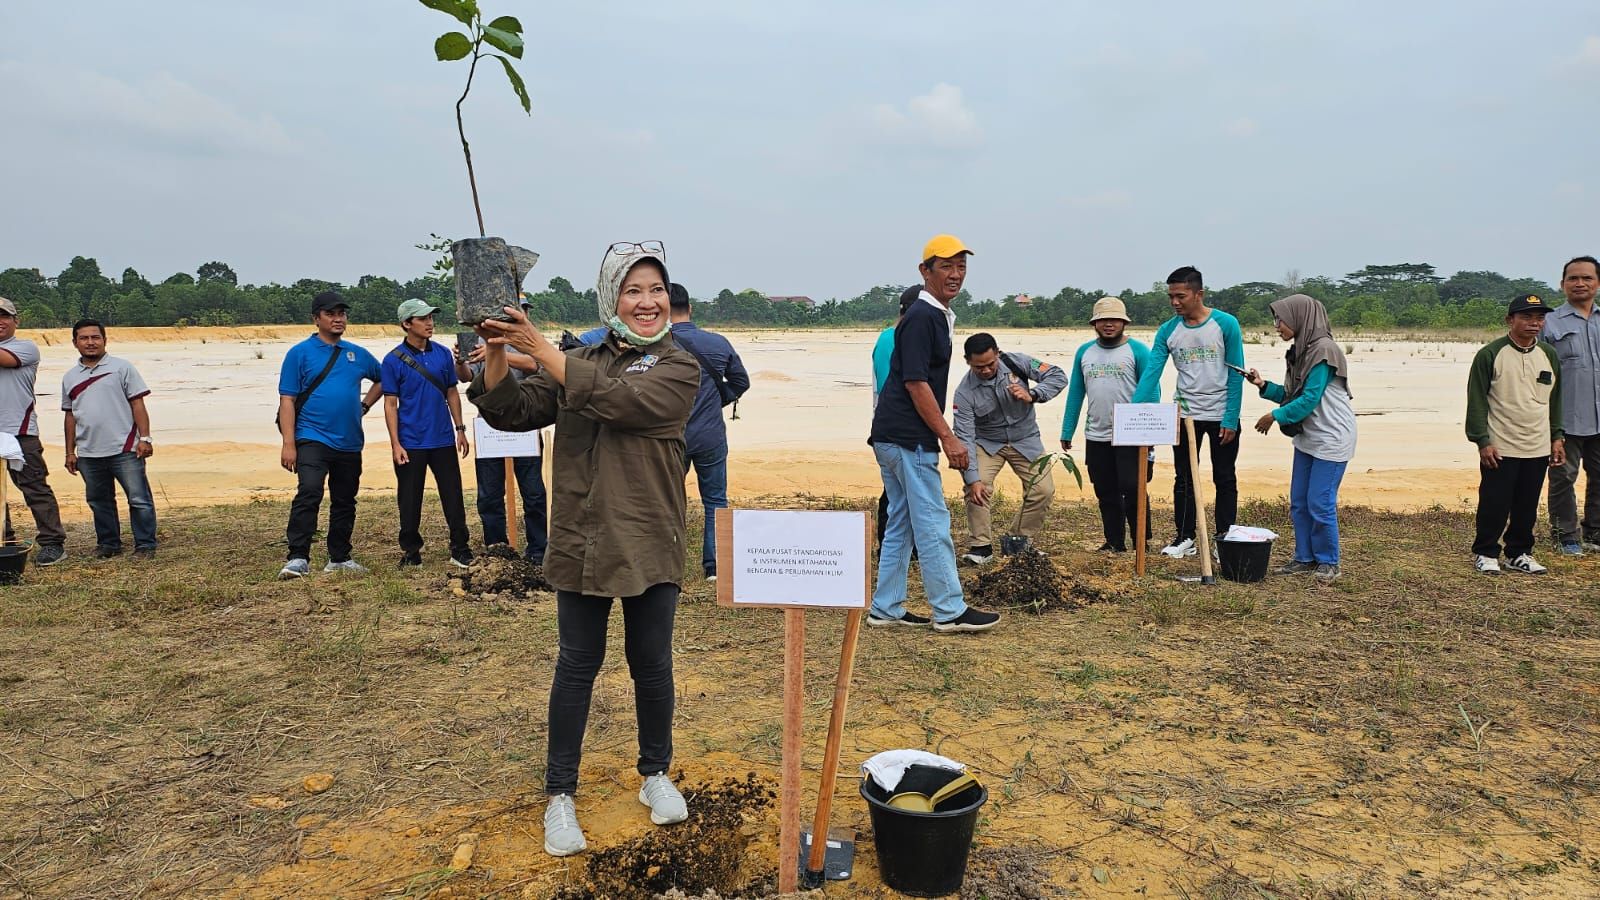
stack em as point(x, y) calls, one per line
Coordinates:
point(108, 439)
point(19, 367)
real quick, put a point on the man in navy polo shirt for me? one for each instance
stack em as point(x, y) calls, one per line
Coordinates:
point(423, 412)
point(908, 430)
point(322, 437)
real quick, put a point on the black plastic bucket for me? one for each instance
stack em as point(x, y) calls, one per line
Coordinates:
point(924, 854)
point(1244, 561)
point(13, 559)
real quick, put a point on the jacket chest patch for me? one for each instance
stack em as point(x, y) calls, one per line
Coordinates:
point(644, 364)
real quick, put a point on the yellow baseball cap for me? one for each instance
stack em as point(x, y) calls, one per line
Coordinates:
point(943, 246)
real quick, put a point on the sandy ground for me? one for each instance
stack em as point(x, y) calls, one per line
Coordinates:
point(802, 428)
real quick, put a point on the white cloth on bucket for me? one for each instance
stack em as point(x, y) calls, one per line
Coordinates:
point(888, 767)
point(11, 451)
point(1247, 535)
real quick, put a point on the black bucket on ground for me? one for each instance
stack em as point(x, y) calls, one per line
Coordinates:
point(13, 559)
point(924, 854)
point(1244, 561)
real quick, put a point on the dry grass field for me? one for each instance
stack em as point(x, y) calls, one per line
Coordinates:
point(1412, 730)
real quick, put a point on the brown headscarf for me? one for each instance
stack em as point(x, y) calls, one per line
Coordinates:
point(1313, 340)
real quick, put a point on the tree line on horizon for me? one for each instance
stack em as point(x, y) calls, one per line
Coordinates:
point(1374, 298)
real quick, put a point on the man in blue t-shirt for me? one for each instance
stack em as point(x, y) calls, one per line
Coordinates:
point(908, 430)
point(422, 411)
point(1207, 349)
point(320, 406)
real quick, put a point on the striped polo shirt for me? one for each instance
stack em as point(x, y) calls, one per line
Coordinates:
point(100, 400)
point(17, 415)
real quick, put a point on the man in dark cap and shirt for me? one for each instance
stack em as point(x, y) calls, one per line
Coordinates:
point(320, 406)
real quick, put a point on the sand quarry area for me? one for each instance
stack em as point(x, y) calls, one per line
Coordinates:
point(801, 429)
point(193, 727)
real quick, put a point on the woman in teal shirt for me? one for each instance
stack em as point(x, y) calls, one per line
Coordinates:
point(1313, 408)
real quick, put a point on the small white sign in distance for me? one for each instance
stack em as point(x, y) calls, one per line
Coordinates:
point(492, 443)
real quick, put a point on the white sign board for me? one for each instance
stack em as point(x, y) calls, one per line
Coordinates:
point(493, 443)
point(1144, 425)
point(795, 558)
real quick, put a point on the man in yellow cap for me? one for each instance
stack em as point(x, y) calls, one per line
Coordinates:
point(908, 431)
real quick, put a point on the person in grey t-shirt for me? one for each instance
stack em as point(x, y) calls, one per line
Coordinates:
point(19, 367)
point(108, 439)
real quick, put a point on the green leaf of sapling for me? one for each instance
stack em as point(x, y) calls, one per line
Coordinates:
point(452, 45)
point(503, 40)
point(507, 23)
point(516, 84)
point(451, 7)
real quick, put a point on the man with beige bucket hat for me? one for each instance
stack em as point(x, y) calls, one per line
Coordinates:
point(1105, 372)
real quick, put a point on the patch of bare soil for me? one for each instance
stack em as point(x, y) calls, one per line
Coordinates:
point(704, 853)
point(1007, 873)
point(1032, 582)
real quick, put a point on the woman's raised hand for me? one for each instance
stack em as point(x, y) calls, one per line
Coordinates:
point(1255, 379)
point(518, 332)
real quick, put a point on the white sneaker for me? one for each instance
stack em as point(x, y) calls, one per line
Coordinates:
point(1180, 549)
point(349, 567)
point(976, 559)
point(1487, 566)
point(1526, 564)
point(295, 568)
point(667, 806)
point(562, 836)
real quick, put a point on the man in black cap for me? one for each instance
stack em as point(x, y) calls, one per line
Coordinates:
point(1514, 416)
point(320, 406)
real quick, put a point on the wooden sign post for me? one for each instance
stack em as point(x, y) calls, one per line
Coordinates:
point(492, 443)
point(796, 560)
point(1143, 425)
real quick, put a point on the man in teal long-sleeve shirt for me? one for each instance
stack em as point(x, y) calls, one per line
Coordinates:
point(1203, 343)
point(1105, 372)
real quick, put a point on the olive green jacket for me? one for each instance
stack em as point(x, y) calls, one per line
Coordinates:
point(617, 501)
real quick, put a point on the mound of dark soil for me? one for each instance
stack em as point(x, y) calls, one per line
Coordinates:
point(500, 572)
point(1026, 581)
point(703, 854)
point(1006, 873)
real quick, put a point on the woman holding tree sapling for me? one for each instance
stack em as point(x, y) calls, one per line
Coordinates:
point(617, 521)
point(1314, 409)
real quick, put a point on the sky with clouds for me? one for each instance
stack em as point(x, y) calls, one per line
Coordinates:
point(810, 148)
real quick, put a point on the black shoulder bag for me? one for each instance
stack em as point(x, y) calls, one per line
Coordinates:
point(301, 398)
point(405, 357)
point(723, 388)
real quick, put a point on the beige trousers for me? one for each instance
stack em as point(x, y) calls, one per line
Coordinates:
point(1035, 503)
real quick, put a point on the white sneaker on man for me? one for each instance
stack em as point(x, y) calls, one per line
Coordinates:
point(1526, 564)
point(562, 836)
point(1487, 565)
point(667, 806)
point(1180, 549)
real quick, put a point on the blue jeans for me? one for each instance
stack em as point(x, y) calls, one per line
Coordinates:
point(492, 503)
point(1314, 508)
point(711, 473)
point(100, 475)
point(917, 516)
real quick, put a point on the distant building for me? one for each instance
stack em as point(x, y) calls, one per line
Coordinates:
point(807, 302)
point(1022, 300)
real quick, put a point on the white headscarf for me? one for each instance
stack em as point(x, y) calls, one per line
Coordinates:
point(613, 269)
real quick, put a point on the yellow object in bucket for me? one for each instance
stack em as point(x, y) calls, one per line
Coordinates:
point(911, 801)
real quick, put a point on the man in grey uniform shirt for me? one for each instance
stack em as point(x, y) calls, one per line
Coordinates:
point(995, 419)
point(108, 439)
point(19, 367)
point(1574, 330)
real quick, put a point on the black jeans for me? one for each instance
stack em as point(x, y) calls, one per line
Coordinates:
point(1223, 457)
point(409, 480)
point(647, 629)
point(1508, 505)
point(32, 479)
point(492, 503)
point(1114, 472)
point(316, 463)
